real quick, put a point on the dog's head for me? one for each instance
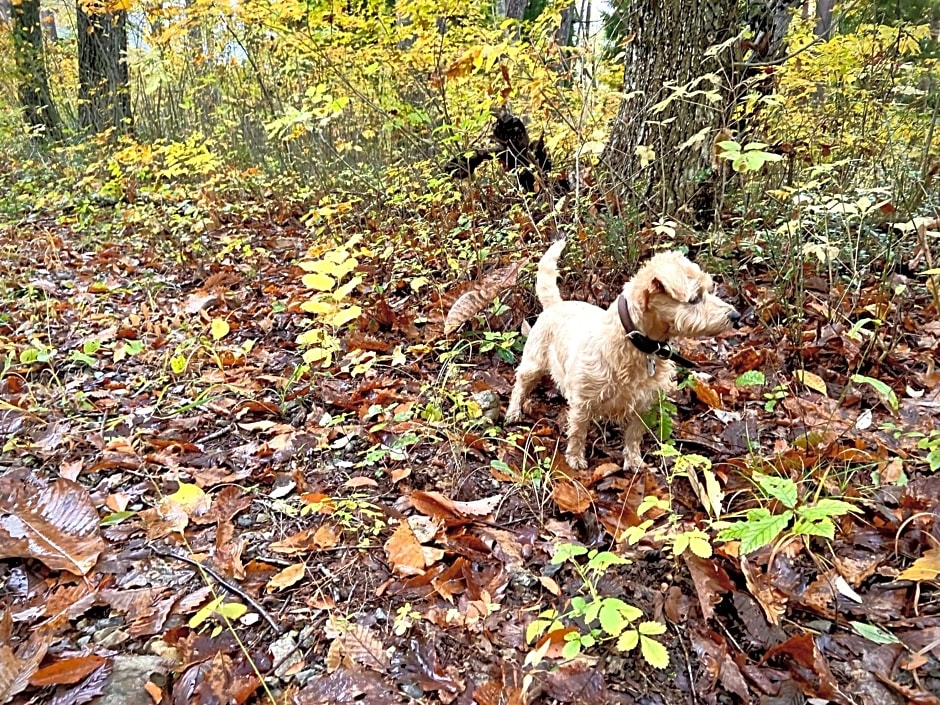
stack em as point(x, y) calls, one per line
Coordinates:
point(674, 299)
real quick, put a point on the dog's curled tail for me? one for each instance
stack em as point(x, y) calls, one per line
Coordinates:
point(546, 284)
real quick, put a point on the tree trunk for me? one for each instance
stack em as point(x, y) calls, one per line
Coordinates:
point(104, 86)
point(669, 46)
point(33, 90)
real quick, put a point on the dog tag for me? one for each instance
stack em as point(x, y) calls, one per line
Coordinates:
point(650, 365)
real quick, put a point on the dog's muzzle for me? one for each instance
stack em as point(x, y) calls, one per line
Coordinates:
point(735, 318)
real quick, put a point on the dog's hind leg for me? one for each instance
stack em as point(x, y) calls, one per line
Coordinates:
point(579, 421)
point(527, 376)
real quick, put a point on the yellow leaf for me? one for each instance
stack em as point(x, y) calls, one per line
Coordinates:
point(190, 497)
point(310, 337)
point(318, 281)
point(345, 316)
point(318, 307)
point(813, 381)
point(927, 567)
point(220, 328)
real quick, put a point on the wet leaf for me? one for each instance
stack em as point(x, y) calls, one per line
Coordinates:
point(51, 522)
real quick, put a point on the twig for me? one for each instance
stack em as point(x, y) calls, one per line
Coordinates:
point(224, 583)
point(215, 434)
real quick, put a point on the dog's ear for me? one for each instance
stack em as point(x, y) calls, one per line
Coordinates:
point(662, 285)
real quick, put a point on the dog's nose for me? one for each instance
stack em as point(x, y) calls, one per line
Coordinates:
point(735, 318)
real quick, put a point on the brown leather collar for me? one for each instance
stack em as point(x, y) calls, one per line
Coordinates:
point(647, 345)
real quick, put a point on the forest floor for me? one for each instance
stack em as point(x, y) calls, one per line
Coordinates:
point(186, 514)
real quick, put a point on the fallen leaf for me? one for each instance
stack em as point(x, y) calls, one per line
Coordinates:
point(67, 670)
point(927, 567)
point(813, 381)
point(55, 522)
point(289, 576)
point(571, 496)
point(404, 552)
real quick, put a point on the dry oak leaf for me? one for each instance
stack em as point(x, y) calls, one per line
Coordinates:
point(55, 522)
point(475, 300)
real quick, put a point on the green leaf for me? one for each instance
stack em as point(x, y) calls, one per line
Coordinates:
point(760, 528)
point(884, 391)
point(81, 357)
point(610, 617)
point(751, 378)
point(604, 559)
point(819, 527)
point(654, 652)
point(873, 633)
point(652, 628)
point(567, 551)
point(571, 649)
point(628, 640)
point(700, 545)
point(178, 364)
point(782, 489)
point(116, 518)
point(826, 508)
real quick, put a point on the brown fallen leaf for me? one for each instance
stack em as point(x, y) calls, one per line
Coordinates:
point(55, 522)
point(405, 554)
point(17, 667)
point(291, 575)
point(66, 671)
point(571, 496)
point(438, 506)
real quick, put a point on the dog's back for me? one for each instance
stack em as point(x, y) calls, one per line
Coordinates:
point(546, 281)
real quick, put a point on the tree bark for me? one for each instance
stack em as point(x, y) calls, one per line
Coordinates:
point(669, 46)
point(103, 80)
point(33, 89)
point(824, 18)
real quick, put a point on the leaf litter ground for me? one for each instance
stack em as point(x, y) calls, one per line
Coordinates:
point(371, 534)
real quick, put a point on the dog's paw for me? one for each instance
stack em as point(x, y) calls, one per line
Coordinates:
point(513, 415)
point(633, 462)
point(576, 462)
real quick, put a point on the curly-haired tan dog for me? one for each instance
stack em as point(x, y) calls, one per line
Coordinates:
point(613, 363)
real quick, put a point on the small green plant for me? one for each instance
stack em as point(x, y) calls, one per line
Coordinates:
point(659, 419)
point(750, 157)
point(505, 344)
point(761, 526)
point(355, 514)
point(594, 619)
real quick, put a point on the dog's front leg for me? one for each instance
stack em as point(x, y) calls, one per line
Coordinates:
point(633, 430)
